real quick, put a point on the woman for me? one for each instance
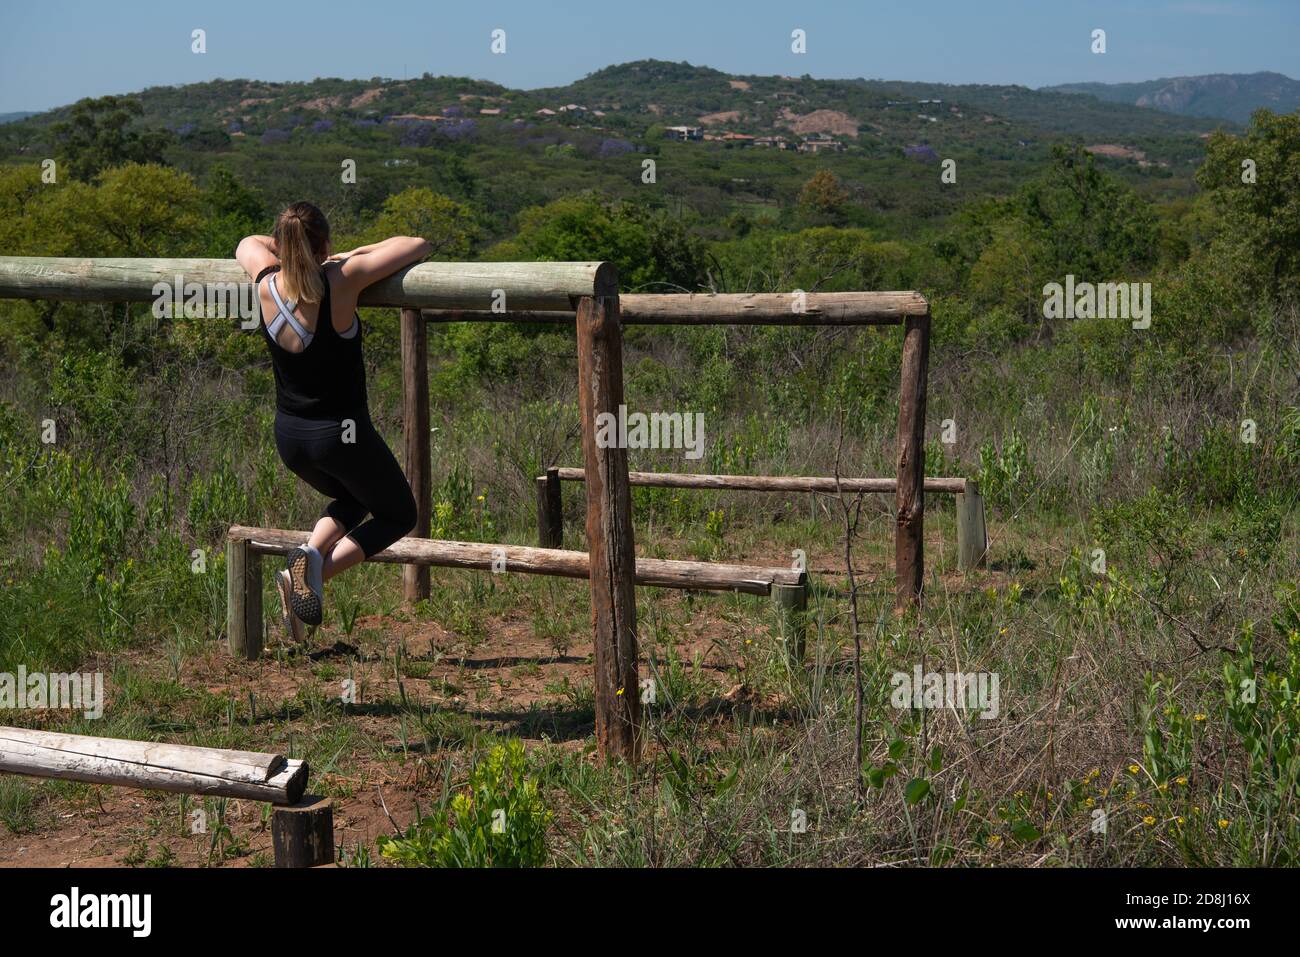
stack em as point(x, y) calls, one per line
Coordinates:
point(323, 431)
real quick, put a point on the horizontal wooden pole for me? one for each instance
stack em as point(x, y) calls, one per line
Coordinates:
point(180, 768)
point(769, 483)
point(526, 285)
point(763, 309)
point(656, 572)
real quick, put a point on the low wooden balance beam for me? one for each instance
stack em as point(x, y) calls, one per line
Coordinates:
point(972, 533)
point(246, 545)
point(302, 827)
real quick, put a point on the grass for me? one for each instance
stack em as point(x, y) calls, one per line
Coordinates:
point(1123, 733)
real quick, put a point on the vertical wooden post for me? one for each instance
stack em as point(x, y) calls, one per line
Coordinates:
point(791, 603)
point(909, 534)
point(972, 534)
point(243, 600)
point(302, 834)
point(550, 510)
point(415, 426)
point(609, 529)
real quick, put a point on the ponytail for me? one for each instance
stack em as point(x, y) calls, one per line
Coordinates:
point(301, 236)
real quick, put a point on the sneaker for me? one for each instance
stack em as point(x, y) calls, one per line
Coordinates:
point(293, 625)
point(304, 600)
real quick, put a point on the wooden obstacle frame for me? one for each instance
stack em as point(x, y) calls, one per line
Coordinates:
point(586, 295)
point(972, 534)
point(302, 826)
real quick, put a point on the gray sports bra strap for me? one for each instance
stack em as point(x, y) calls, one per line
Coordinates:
point(286, 315)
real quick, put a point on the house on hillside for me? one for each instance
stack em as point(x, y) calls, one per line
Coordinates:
point(774, 142)
point(820, 143)
point(684, 133)
point(545, 112)
point(740, 139)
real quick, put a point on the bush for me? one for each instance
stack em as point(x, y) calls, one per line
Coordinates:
point(498, 821)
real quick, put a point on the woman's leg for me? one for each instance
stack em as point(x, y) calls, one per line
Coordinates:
point(327, 533)
point(373, 478)
point(342, 556)
point(307, 453)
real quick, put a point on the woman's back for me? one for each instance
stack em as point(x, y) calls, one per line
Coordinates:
point(320, 375)
point(305, 316)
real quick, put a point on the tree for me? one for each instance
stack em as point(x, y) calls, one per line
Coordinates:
point(1090, 223)
point(1253, 183)
point(823, 196)
point(96, 137)
point(650, 247)
point(231, 212)
point(418, 211)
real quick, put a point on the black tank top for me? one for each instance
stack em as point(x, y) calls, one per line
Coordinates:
point(327, 379)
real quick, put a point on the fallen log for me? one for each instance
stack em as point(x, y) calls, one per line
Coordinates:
point(179, 768)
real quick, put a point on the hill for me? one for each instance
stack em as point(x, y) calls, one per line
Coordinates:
point(1231, 96)
point(755, 140)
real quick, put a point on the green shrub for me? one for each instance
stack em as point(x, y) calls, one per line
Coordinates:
point(498, 821)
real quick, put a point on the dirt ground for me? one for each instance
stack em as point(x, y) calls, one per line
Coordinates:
point(500, 684)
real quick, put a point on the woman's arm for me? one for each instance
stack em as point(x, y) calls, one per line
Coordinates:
point(255, 253)
point(369, 264)
point(339, 257)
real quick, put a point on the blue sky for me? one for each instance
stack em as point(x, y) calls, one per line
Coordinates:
point(55, 51)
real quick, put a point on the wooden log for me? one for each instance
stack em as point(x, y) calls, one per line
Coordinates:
point(550, 510)
point(243, 600)
point(415, 429)
point(478, 286)
point(972, 532)
point(179, 768)
point(610, 540)
point(909, 543)
point(652, 572)
point(768, 483)
point(791, 604)
point(760, 309)
point(303, 833)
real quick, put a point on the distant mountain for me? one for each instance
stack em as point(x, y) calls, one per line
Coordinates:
point(13, 117)
point(1230, 96)
point(634, 106)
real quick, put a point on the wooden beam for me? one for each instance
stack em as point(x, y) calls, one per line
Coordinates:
point(415, 429)
point(650, 572)
point(477, 286)
point(179, 768)
point(768, 483)
point(791, 603)
point(550, 510)
point(760, 309)
point(243, 600)
point(909, 534)
point(972, 532)
point(610, 540)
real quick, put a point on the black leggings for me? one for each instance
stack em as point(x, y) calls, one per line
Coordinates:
point(361, 476)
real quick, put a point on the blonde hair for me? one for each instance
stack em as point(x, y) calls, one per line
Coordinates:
point(302, 234)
